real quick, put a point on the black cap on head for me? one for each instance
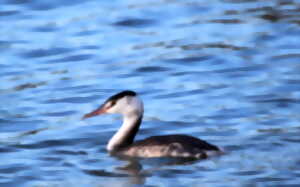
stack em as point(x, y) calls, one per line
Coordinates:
point(121, 95)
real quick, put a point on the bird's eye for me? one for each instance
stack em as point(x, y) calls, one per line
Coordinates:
point(112, 103)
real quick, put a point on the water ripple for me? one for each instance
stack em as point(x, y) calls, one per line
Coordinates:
point(135, 22)
point(29, 85)
point(226, 71)
point(8, 13)
point(38, 53)
point(188, 60)
point(52, 143)
point(13, 168)
point(72, 58)
point(150, 69)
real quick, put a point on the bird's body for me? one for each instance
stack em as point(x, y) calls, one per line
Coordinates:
point(178, 145)
point(122, 143)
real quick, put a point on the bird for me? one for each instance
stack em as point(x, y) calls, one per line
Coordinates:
point(130, 106)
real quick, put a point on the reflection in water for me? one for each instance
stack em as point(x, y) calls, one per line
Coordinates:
point(134, 169)
point(137, 175)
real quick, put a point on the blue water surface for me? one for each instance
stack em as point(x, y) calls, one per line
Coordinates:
point(226, 71)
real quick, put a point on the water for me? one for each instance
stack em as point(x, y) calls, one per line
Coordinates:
point(223, 70)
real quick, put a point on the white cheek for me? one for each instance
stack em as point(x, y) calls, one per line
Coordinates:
point(127, 106)
point(119, 107)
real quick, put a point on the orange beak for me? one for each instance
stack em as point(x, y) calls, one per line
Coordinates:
point(98, 111)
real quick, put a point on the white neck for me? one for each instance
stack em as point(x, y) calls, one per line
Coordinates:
point(125, 135)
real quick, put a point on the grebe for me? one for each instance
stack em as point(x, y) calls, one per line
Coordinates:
point(128, 104)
